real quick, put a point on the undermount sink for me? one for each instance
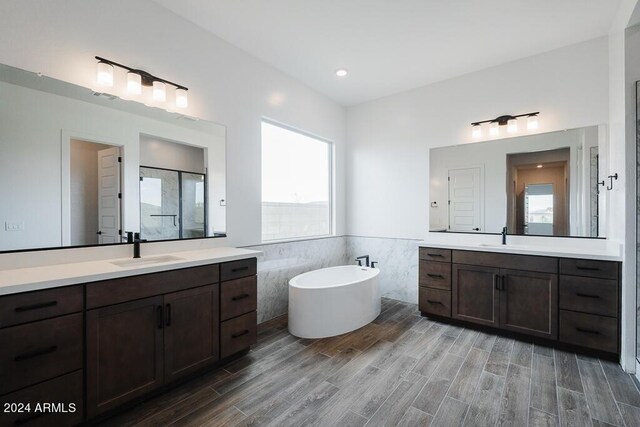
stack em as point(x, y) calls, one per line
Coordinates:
point(146, 261)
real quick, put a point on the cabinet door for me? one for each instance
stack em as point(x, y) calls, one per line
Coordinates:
point(475, 296)
point(191, 331)
point(124, 353)
point(529, 303)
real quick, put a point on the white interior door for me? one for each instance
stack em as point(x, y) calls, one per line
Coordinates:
point(465, 199)
point(108, 196)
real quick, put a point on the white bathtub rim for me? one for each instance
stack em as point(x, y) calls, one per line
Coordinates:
point(293, 281)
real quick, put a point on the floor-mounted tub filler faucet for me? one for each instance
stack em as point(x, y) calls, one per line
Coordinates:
point(504, 235)
point(363, 257)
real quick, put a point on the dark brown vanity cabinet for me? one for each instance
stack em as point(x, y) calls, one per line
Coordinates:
point(573, 301)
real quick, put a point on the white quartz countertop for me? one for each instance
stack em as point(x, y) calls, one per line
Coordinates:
point(51, 276)
point(551, 250)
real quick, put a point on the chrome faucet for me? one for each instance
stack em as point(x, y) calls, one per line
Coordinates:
point(504, 235)
point(360, 258)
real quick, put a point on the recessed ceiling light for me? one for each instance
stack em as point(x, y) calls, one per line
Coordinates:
point(342, 72)
point(539, 166)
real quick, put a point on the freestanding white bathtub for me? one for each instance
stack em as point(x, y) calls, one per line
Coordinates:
point(332, 301)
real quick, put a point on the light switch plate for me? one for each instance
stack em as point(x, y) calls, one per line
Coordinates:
point(14, 226)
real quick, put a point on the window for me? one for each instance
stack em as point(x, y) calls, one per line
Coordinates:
point(296, 184)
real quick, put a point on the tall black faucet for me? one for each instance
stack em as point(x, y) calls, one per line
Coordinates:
point(136, 245)
point(360, 258)
point(504, 235)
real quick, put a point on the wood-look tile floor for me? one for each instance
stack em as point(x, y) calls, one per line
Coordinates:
point(402, 369)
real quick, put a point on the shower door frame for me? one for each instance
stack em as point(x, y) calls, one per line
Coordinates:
point(206, 200)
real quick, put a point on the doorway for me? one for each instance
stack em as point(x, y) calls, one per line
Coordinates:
point(95, 193)
point(537, 193)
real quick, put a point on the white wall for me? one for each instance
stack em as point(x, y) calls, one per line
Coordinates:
point(159, 153)
point(492, 156)
point(390, 138)
point(60, 38)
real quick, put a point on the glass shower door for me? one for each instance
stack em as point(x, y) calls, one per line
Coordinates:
point(159, 204)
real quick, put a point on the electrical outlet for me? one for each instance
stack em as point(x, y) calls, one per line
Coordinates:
point(14, 226)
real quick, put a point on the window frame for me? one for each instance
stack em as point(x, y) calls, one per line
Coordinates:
point(330, 183)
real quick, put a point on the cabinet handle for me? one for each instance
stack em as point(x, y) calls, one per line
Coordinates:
point(159, 316)
point(168, 314)
point(586, 295)
point(35, 353)
point(434, 302)
point(26, 420)
point(435, 255)
point(503, 285)
point(587, 268)
point(35, 306)
point(239, 297)
point(238, 335)
point(436, 276)
point(235, 270)
point(588, 331)
point(496, 282)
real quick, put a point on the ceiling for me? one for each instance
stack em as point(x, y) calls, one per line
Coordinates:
point(393, 45)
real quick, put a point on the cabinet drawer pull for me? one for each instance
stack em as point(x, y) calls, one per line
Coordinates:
point(159, 316)
point(35, 353)
point(168, 314)
point(496, 282)
point(588, 331)
point(578, 267)
point(435, 255)
point(436, 276)
point(239, 334)
point(434, 302)
point(239, 297)
point(35, 306)
point(586, 295)
point(235, 270)
point(26, 420)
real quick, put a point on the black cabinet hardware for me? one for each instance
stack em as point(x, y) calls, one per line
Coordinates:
point(35, 306)
point(586, 295)
point(587, 268)
point(436, 276)
point(496, 282)
point(235, 270)
point(434, 302)
point(588, 331)
point(435, 255)
point(35, 353)
point(239, 297)
point(238, 335)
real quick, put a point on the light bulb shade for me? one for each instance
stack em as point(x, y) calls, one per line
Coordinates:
point(476, 131)
point(159, 91)
point(532, 122)
point(134, 83)
point(512, 126)
point(181, 98)
point(105, 74)
point(494, 128)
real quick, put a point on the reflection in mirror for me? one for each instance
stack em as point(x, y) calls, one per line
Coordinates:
point(541, 185)
point(72, 163)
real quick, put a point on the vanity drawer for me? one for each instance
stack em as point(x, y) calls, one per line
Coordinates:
point(589, 330)
point(238, 334)
point(435, 301)
point(37, 305)
point(589, 268)
point(65, 390)
point(539, 264)
point(237, 269)
point(433, 254)
point(39, 351)
point(238, 297)
point(435, 274)
point(110, 292)
point(589, 295)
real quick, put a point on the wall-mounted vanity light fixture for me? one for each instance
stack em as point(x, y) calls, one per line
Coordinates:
point(136, 79)
point(511, 122)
